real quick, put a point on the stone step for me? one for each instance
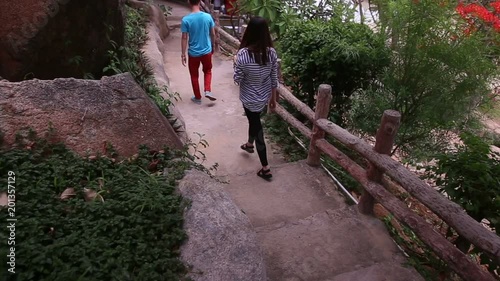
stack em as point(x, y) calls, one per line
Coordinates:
point(334, 245)
point(380, 272)
point(296, 191)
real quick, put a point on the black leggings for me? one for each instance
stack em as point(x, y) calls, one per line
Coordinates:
point(255, 133)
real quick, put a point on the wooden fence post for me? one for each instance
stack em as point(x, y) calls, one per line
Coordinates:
point(323, 100)
point(383, 144)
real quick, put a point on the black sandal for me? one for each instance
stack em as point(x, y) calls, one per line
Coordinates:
point(247, 148)
point(265, 174)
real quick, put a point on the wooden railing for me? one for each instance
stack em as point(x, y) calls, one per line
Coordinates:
point(381, 165)
point(372, 180)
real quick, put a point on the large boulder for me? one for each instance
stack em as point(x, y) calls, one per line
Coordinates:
point(222, 245)
point(46, 39)
point(86, 113)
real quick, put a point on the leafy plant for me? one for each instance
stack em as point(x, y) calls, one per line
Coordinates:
point(130, 58)
point(268, 9)
point(196, 147)
point(470, 176)
point(76, 60)
point(95, 218)
point(167, 10)
point(346, 55)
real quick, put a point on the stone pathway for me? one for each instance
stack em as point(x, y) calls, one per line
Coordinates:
point(305, 229)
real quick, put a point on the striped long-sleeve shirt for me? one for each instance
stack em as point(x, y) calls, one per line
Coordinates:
point(256, 81)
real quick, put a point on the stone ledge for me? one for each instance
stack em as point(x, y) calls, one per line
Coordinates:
point(222, 245)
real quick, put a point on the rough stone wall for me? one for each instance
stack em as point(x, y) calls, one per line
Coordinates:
point(47, 39)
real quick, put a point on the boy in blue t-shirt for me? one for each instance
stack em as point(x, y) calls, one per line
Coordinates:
point(198, 27)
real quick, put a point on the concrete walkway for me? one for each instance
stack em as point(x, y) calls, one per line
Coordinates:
point(305, 229)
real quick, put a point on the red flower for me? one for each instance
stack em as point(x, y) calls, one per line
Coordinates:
point(496, 6)
point(480, 12)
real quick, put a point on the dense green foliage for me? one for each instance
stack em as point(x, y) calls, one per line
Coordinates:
point(470, 176)
point(131, 230)
point(436, 79)
point(130, 58)
point(346, 55)
point(269, 9)
point(281, 14)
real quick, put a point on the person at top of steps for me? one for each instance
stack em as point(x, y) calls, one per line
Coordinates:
point(256, 72)
point(198, 37)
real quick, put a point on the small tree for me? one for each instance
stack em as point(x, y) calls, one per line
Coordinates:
point(437, 77)
point(346, 55)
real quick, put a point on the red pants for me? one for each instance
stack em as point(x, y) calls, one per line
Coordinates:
point(194, 65)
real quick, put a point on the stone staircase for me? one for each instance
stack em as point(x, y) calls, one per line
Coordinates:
point(308, 233)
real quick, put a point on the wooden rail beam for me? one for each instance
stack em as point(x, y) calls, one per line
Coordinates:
point(228, 37)
point(443, 248)
point(227, 47)
point(454, 215)
point(300, 106)
point(290, 119)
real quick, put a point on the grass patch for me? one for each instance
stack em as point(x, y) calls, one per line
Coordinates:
point(130, 230)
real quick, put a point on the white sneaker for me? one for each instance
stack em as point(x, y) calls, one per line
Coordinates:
point(210, 96)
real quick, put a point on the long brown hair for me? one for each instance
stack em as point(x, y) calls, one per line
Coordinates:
point(257, 39)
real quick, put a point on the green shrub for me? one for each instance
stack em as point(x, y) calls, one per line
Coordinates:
point(132, 230)
point(346, 55)
point(470, 176)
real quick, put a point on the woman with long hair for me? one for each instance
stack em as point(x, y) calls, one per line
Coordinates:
point(256, 72)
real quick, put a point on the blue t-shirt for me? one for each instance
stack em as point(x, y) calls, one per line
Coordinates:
point(198, 26)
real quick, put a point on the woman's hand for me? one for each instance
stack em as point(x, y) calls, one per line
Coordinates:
point(272, 100)
point(272, 104)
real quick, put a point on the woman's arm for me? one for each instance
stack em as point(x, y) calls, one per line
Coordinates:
point(238, 68)
point(274, 68)
point(274, 80)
